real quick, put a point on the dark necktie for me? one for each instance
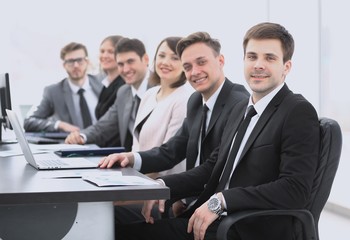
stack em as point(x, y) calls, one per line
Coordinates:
point(135, 106)
point(237, 143)
point(190, 200)
point(84, 109)
point(204, 120)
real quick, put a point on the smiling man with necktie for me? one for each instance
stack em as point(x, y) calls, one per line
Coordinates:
point(274, 166)
point(203, 66)
point(116, 125)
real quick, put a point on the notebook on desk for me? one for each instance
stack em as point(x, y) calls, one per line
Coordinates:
point(46, 137)
point(89, 151)
point(41, 140)
point(51, 135)
point(45, 161)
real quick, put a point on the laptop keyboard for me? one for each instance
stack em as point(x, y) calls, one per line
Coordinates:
point(51, 162)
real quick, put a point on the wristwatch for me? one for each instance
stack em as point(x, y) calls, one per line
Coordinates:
point(214, 205)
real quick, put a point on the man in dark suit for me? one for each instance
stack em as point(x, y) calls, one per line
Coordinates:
point(59, 110)
point(273, 167)
point(203, 66)
point(116, 124)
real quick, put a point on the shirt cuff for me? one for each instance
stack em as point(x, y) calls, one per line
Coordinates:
point(137, 161)
point(223, 202)
point(56, 124)
point(161, 182)
point(83, 136)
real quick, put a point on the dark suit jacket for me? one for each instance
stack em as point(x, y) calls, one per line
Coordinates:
point(275, 171)
point(57, 104)
point(108, 96)
point(185, 143)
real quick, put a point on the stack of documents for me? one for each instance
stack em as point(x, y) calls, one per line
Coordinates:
point(112, 179)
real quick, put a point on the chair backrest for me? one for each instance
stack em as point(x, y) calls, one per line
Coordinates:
point(330, 150)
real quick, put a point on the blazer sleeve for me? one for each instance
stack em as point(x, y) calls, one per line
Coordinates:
point(40, 119)
point(168, 154)
point(105, 129)
point(191, 182)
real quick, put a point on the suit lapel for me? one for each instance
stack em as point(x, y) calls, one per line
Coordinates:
point(219, 106)
point(145, 113)
point(197, 123)
point(96, 86)
point(230, 130)
point(264, 118)
point(232, 124)
point(142, 115)
point(127, 109)
point(68, 99)
point(194, 133)
point(126, 101)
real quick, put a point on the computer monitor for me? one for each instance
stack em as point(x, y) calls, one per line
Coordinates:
point(5, 103)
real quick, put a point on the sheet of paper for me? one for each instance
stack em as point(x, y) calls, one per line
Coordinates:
point(110, 179)
point(78, 173)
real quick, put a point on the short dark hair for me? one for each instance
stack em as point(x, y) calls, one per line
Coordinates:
point(198, 37)
point(73, 46)
point(267, 30)
point(172, 42)
point(130, 45)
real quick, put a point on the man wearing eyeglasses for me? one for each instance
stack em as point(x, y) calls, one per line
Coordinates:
point(117, 124)
point(68, 105)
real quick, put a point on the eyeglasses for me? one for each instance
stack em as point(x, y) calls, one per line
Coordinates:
point(70, 62)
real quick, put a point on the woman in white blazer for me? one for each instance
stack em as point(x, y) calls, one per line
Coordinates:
point(163, 108)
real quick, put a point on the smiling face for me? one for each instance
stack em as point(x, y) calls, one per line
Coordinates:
point(107, 58)
point(168, 65)
point(203, 69)
point(264, 69)
point(132, 67)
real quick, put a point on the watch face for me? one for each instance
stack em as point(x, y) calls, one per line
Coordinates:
point(213, 203)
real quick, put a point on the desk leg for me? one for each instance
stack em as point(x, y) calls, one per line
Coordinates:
point(57, 221)
point(93, 221)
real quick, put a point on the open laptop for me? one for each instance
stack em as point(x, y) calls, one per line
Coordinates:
point(45, 161)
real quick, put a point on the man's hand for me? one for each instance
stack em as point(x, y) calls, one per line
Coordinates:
point(67, 127)
point(147, 209)
point(74, 138)
point(122, 159)
point(200, 220)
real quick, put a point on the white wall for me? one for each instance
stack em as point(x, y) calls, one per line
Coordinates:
point(334, 99)
point(33, 32)
point(301, 19)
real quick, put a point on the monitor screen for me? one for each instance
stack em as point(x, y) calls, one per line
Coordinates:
point(5, 103)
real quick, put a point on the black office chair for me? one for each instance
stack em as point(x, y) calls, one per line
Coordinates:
point(330, 150)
